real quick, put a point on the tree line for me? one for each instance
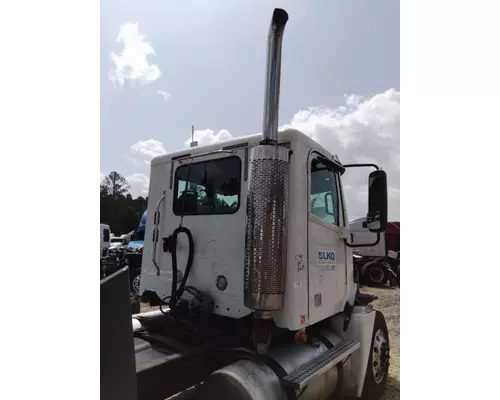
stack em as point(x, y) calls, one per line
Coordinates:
point(123, 213)
point(118, 209)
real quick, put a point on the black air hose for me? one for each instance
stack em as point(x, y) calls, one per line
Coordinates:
point(177, 293)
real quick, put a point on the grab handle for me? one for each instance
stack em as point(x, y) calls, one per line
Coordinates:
point(156, 230)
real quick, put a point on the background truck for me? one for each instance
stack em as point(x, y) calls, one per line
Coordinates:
point(105, 236)
point(379, 263)
point(129, 252)
point(247, 252)
point(117, 241)
point(134, 251)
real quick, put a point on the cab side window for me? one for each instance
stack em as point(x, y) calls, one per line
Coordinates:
point(208, 187)
point(324, 193)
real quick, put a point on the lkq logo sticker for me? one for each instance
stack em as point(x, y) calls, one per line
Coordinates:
point(326, 257)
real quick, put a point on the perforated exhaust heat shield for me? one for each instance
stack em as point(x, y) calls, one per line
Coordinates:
point(266, 241)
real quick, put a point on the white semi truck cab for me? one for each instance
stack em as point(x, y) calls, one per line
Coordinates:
point(247, 251)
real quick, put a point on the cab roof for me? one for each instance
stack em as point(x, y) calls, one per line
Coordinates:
point(287, 135)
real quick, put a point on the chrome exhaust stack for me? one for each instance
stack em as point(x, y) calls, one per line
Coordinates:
point(267, 203)
point(273, 76)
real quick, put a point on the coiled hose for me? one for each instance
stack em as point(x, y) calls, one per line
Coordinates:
point(176, 293)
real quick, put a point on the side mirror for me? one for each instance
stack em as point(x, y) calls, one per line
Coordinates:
point(377, 201)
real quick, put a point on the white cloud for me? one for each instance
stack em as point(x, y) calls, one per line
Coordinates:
point(132, 64)
point(164, 94)
point(102, 176)
point(208, 136)
point(131, 159)
point(361, 131)
point(148, 148)
point(139, 184)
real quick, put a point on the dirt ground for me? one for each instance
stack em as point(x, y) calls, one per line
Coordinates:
point(388, 303)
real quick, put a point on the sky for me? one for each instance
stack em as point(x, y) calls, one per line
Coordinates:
point(167, 65)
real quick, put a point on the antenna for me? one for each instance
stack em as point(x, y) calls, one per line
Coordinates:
point(193, 143)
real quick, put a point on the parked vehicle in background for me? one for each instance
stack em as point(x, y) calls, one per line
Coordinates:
point(105, 236)
point(133, 257)
point(117, 241)
point(137, 235)
point(105, 240)
point(129, 252)
point(379, 263)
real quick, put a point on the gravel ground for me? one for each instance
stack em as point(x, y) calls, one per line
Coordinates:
point(388, 303)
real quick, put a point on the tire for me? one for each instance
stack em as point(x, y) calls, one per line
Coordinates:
point(377, 369)
point(103, 270)
point(376, 274)
point(135, 282)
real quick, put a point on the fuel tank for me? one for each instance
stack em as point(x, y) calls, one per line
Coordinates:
point(253, 380)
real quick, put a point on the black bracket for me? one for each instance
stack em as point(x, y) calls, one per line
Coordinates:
point(348, 308)
point(355, 272)
point(169, 243)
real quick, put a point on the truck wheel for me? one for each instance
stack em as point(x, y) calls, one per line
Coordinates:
point(376, 274)
point(103, 270)
point(377, 370)
point(136, 283)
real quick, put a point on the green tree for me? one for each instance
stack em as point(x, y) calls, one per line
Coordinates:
point(115, 185)
point(118, 208)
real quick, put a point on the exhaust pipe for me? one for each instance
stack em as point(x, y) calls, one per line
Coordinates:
point(273, 75)
point(267, 204)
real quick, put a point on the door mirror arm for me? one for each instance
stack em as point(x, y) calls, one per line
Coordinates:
point(363, 244)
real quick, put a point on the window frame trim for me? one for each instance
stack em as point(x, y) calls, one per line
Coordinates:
point(336, 170)
point(176, 186)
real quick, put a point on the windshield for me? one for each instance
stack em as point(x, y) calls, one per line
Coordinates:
point(138, 235)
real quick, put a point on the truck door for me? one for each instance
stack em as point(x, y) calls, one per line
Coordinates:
point(327, 251)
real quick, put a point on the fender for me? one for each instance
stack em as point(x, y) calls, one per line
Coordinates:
point(384, 265)
point(360, 328)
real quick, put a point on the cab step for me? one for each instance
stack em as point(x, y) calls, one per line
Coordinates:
point(298, 378)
